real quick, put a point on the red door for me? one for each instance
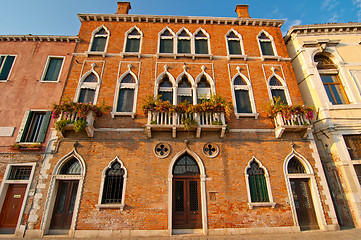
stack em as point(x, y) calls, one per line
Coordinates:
point(304, 205)
point(186, 203)
point(12, 205)
point(64, 205)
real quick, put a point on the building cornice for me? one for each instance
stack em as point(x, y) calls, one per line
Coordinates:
point(41, 38)
point(323, 29)
point(180, 19)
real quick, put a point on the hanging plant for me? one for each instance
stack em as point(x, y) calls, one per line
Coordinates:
point(80, 125)
point(277, 106)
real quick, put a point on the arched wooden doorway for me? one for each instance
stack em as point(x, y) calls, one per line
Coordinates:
point(186, 209)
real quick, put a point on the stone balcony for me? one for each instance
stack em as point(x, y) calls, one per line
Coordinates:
point(294, 123)
point(173, 121)
point(73, 117)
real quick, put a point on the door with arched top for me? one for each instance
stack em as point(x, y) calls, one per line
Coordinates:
point(187, 212)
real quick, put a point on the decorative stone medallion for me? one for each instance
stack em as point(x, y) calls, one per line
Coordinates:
point(211, 150)
point(162, 150)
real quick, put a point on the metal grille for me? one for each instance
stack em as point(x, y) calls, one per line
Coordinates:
point(193, 195)
point(113, 184)
point(186, 165)
point(294, 166)
point(353, 143)
point(20, 173)
point(179, 196)
point(71, 167)
point(257, 183)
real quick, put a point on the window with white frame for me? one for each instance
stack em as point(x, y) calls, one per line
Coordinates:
point(203, 89)
point(257, 183)
point(201, 42)
point(166, 41)
point(126, 94)
point(277, 89)
point(52, 69)
point(184, 41)
point(266, 44)
point(242, 92)
point(6, 63)
point(353, 144)
point(185, 91)
point(234, 43)
point(34, 126)
point(166, 89)
point(133, 40)
point(88, 89)
point(99, 40)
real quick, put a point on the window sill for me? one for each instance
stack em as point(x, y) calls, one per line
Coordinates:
point(42, 81)
point(95, 54)
point(110, 206)
point(243, 115)
point(264, 58)
point(114, 114)
point(230, 56)
point(4, 80)
point(261, 204)
point(186, 55)
point(130, 54)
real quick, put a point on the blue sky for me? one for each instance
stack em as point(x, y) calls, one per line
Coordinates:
point(50, 17)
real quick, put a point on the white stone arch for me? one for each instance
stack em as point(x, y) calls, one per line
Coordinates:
point(239, 38)
point(173, 37)
point(125, 177)
point(309, 174)
point(209, 80)
point(251, 204)
point(103, 35)
point(171, 79)
point(127, 36)
point(89, 85)
point(269, 36)
point(203, 188)
point(206, 38)
point(283, 87)
point(191, 80)
point(248, 88)
point(53, 189)
point(121, 85)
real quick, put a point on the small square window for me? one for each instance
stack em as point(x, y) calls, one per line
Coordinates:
point(52, 69)
point(6, 62)
point(20, 173)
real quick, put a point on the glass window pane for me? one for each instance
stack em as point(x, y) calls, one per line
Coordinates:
point(328, 79)
point(125, 100)
point(33, 129)
point(234, 47)
point(132, 45)
point(165, 82)
point(128, 79)
point(184, 46)
point(267, 48)
point(337, 92)
point(201, 46)
point(358, 172)
point(279, 93)
point(181, 99)
point(239, 81)
point(242, 101)
point(5, 68)
point(353, 143)
point(98, 44)
point(166, 46)
point(166, 96)
point(52, 73)
point(86, 95)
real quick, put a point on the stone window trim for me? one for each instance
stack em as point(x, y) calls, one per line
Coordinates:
point(2, 66)
point(101, 53)
point(193, 86)
point(129, 86)
point(240, 39)
point(89, 85)
point(128, 36)
point(48, 60)
point(271, 39)
point(206, 37)
point(251, 204)
point(125, 176)
point(248, 87)
point(283, 87)
point(209, 80)
point(171, 79)
point(173, 38)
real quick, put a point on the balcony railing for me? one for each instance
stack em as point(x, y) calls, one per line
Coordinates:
point(73, 117)
point(173, 121)
point(294, 123)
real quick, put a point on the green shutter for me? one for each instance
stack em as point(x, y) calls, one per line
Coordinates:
point(5, 68)
point(24, 124)
point(44, 126)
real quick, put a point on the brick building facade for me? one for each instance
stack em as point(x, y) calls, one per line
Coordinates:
point(177, 172)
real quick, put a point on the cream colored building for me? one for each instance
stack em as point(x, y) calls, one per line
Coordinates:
point(327, 62)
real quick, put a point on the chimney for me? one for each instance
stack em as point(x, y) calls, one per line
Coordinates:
point(242, 11)
point(123, 7)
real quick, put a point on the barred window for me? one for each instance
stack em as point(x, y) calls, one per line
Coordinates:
point(20, 173)
point(295, 166)
point(71, 167)
point(186, 165)
point(353, 143)
point(113, 184)
point(257, 183)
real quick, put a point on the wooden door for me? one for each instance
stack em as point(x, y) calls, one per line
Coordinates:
point(12, 205)
point(64, 205)
point(304, 205)
point(187, 212)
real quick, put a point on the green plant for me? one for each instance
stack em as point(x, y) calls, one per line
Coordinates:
point(153, 122)
point(80, 125)
point(189, 123)
point(217, 123)
point(60, 125)
point(15, 147)
point(149, 102)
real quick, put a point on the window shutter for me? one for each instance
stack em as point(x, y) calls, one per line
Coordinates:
point(44, 126)
point(24, 124)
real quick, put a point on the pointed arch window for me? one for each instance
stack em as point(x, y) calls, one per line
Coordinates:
point(277, 89)
point(234, 43)
point(242, 93)
point(166, 89)
point(201, 42)
point(186, 165)
point(99, 40)
point(133, 40)
point(185, 91)
point(329, 75)
point(126, 94)
point(257, 183)
point(166, 41)
point(184, 42)
point(295, 167)
point(203, 89)
point(71, 167)
point(266, 44)
point(88, 89)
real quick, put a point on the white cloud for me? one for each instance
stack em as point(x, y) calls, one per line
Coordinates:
point(333, 18)
point(357, 4)
point(288, 24)
point(328, 5)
